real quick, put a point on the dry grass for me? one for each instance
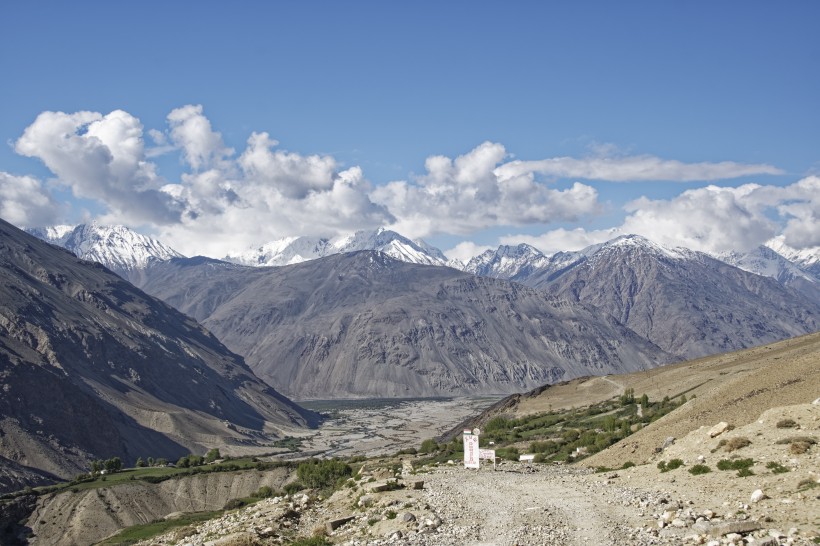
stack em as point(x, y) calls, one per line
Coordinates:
point(798, 448)
point(787, 423)
point(736, 443)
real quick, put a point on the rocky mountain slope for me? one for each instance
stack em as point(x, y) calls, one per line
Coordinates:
point(91, 367)
point(366, 325)
point(293, 250)
point(686, 302)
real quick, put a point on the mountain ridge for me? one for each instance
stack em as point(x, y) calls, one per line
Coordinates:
point(126, 374)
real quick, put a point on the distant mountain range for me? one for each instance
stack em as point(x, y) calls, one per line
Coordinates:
point(363, 324)
point(127, 252)
point(289, 319)
point(92, 367)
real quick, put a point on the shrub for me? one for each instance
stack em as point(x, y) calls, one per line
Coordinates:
point(807, 484)
point(794, 439)
point(736, 443)
point(735, 464)
point(744, 472)
point(786, 423)
point(798, 448)
point(234, 503)
point(322, 473)
point(263, 492)
point(428, 446)
point(776, 468)
point(391, 514)
point(671, 465)
point(699, 469)
point(627, 464)
point(293, 487)
point(212, 455)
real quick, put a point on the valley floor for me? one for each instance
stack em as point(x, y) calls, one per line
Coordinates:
point(382, 427)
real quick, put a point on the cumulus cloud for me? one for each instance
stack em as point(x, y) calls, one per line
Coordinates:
point(558, 240)
point(220, 204)
point(202, 147)
point(100, 157)
point(466, 250)
point(227, 200)
point(465, 194)
point(708, 219)
point(633, 169)
point(24, 202)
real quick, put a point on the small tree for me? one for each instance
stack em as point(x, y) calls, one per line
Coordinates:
point(212, 455)
point(644, 401)
point(114, 464)
point(150, 461)
point(428, 446)
point(140, 463)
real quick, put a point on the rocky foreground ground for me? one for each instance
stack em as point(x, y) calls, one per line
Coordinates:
point(560, 504)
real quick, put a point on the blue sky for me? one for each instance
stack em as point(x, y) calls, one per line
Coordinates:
point(573, 121)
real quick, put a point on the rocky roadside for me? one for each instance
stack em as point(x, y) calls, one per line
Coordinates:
point(515, 505)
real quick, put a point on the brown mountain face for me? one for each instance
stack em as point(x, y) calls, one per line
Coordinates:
point(91, 367)
point(366, 325)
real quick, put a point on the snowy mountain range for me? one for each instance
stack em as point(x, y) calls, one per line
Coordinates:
point(294, 250)
point(128, 252)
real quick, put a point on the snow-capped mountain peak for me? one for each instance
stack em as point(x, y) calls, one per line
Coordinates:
point(507, 261)
point(117, 247)
point(293, 250)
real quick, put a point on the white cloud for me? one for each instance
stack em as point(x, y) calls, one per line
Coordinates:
point(226, 201)
point(466, 250)
point(293, 175)
point(202, 148)
point(466, 194)
point(24, 202)
point(561, 239)
point(709, 219)
point(633, 169)
point(100, 157)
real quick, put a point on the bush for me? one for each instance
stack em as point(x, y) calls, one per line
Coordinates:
point(807, 484)
point(212, 455)
point(798, 448)
point(428, 446)
point(744, 472)
point(671, 465)
point(735, 464)
point(627, 464)
point(776, 468)
point(234, 503)
point(318, 474)
point(263, 492)
point(786, 423)
point(736, 443)
point(699, 469)
point(293, 487)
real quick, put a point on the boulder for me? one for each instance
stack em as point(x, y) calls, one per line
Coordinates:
point(718, 429)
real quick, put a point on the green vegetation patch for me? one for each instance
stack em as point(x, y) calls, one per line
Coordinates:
point(136, 533)
point(555, 436)
point(699, 469)
point(663, 466)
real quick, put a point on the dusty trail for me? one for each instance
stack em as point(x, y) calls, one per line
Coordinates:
point(519, 507)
